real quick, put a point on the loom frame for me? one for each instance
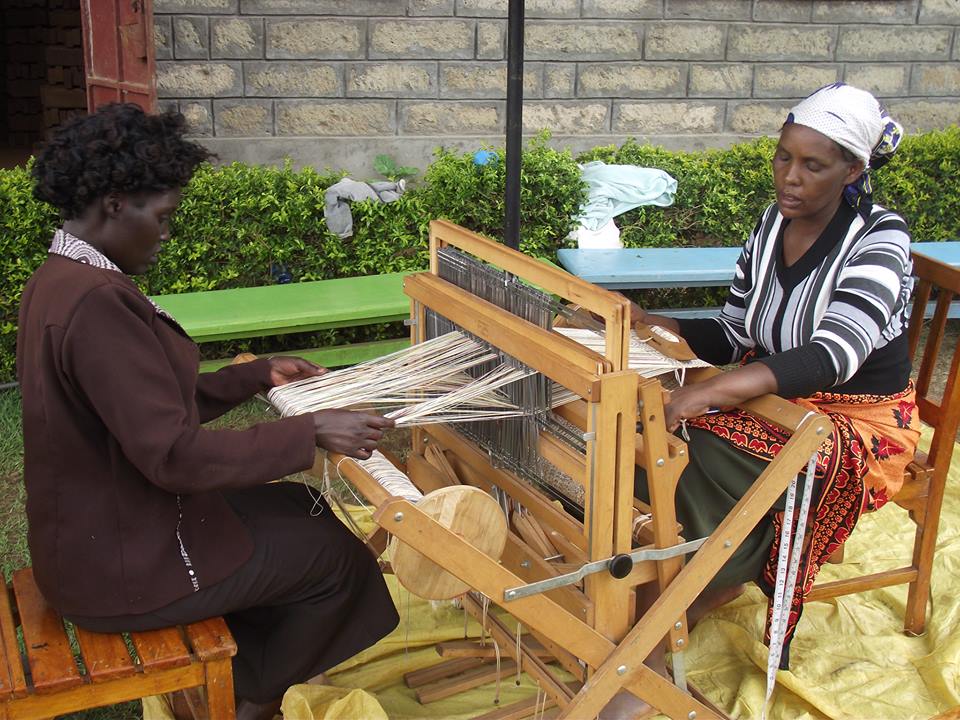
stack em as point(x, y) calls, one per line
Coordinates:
point(595, 626)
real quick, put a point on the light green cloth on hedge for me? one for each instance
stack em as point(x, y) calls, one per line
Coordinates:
point(614, 189)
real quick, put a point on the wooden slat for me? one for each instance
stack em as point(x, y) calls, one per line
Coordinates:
point(52, 665)
point(465, 681)
point(520, 709)
point(473, 649)
point(864, 582)
point(12, 681)
point(161, 649)
point(445, 669)
point(90, 695)
point(211, 639)
point(105, 655)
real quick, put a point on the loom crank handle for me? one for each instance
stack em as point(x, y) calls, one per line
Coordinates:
point(619, 566)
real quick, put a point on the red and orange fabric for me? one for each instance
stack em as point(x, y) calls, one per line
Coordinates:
point(860, 467)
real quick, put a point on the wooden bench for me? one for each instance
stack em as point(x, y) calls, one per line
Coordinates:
point(295, 307)
point(654, 268)
point(49, 673)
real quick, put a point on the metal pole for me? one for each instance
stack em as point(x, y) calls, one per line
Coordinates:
point(511, 223)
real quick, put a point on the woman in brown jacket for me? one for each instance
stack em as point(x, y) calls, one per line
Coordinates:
point(139, 516)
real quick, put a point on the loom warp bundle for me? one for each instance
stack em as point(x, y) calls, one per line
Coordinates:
point(452, 377)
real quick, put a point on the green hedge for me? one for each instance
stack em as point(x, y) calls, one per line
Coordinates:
point(237, 221)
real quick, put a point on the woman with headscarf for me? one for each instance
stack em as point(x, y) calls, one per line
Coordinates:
point(816, 313)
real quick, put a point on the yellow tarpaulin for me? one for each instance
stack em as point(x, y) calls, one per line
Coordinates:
point(849, 659)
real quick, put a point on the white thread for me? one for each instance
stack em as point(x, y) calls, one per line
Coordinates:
point(496, 652)
point(644, 357)
point(387, 476)
point(519, 669)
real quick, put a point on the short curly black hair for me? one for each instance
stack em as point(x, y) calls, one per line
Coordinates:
point(119, 148)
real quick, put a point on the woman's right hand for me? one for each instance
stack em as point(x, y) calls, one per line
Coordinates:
point(349, 432)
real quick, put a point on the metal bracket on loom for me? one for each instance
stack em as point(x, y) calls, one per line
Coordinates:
point(619, 566)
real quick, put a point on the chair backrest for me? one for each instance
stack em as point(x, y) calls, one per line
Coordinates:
point(942, 414)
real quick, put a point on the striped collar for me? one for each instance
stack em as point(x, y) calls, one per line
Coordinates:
point(70, 246)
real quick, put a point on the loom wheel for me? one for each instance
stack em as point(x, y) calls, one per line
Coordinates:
point(469, 513)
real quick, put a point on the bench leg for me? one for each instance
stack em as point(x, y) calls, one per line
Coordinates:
point(220, 699)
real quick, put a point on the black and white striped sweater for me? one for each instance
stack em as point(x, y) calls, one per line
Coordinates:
point(834, 320)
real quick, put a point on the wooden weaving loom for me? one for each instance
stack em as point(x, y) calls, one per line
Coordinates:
point(591, 632)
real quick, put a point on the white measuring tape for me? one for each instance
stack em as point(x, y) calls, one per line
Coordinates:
point(788, 563)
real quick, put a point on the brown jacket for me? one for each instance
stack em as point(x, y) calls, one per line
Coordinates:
point(115, 456)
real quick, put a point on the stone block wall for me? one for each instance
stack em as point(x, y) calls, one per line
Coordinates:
point(333, 82)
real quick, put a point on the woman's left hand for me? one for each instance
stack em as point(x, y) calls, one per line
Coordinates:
point(286, 369)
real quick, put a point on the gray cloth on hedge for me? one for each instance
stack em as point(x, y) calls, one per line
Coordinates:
point(614, 189)
point(336, 208)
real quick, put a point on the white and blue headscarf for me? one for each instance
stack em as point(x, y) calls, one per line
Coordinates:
point(856, 121)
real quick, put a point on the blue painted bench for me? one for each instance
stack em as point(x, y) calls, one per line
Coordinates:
point(650, 268)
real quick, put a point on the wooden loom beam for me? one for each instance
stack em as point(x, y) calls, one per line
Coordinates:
point(603, 640)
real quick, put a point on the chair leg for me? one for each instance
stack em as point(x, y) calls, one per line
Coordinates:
point(220, 698)
point(915, 617)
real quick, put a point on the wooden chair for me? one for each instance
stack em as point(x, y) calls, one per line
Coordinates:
point(926, 476)
point(41, 676)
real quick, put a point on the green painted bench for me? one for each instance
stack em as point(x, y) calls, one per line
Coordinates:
point(292, 308)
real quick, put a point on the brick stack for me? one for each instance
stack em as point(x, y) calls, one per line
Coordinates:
point(43, 65)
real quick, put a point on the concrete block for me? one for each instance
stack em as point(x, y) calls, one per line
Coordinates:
point(780, 42)
point(292, 79)
point(881, 79)
point(894, 43)
point(486, 80)
point(708, 9)
point(415, 39)
point(793, 80)
point(631, 80)
point(622, 9)
point(684, 41)
point(240, 38)
point(922, 115)
point(392, 79)
point(359, 8)
point(430, 8)
point(935, 79)
point(567, 118)
point(451, 118)
point(666, 118)
point(559, 80)
point(333, 117)
point(865, 11)
point(939, 12)
point(545, 40)
point(198, 79)
point(198, 116)
point(191, 38)
point(720, 80)
point(782, 10)
point(206, 7)
point(239, 117)
point(757, 118)
point(531, 9)
point(163, 106)
point(315, 39)
point(163, 37)
point(491, 39)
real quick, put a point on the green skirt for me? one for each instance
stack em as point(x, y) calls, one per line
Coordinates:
point(716, 477)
